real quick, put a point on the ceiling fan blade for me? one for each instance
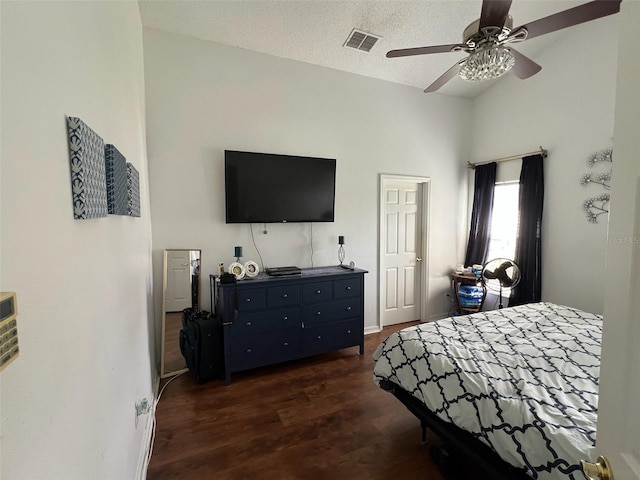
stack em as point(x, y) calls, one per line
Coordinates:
point(568, 18)
point(445, 77)
point(407, 52)
point(524, 67)
point(494, 13)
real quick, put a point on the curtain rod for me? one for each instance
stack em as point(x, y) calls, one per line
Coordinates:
point(541, 151)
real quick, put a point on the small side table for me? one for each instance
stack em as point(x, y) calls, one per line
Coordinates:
point(458, 279)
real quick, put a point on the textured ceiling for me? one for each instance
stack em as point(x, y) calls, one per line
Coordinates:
point(314, 32)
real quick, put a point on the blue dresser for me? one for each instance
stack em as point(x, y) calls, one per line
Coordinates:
point(269, 319)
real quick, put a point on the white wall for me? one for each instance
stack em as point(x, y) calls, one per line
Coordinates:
point(203, 98)
point(84, 287)
point(567, 108)
point(617, 436)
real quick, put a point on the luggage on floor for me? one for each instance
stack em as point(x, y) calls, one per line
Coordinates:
point(201, 344)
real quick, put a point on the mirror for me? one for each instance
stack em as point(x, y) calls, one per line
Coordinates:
point(180, 290)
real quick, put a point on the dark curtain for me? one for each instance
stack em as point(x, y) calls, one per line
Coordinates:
point(480, 231)
point(529, 241)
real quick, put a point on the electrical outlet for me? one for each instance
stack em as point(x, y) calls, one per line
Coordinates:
point(142, 408)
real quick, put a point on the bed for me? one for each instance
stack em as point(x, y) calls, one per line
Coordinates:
point(515, 389)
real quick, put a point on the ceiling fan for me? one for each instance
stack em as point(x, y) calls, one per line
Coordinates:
point(487, 41)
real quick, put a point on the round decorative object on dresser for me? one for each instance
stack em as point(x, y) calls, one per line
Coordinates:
point(237, 269)
point(251, 269)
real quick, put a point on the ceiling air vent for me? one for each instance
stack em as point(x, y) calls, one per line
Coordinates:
point(361, 40)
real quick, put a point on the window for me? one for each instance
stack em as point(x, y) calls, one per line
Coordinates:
point(504, 221)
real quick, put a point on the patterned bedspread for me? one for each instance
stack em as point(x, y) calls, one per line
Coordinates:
point(524, 380)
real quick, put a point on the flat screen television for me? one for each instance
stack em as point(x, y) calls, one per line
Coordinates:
point(270, 188)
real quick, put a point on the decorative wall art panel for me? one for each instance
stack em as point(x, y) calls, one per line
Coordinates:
point(117, 192)
point(133, 191)
point(596, 206)
point(88, 173)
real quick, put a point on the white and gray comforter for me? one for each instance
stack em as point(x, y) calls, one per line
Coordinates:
point(523, 380)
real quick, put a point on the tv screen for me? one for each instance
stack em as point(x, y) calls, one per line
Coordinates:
point(269, 188)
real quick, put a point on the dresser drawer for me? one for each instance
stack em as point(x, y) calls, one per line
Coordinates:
point(251, 351)
point(332, 336)
point(251, 298)
point(265, 321)
point(317, 292)
point(285, 317)
point(283, 296)
point(351, 287)
point(331, 311)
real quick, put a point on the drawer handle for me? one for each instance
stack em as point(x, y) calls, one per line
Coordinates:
point(349, 308)
point(348, 332)
point(318, 292)
point(248, 300)
point(248, 324)
point(248, 350)
point(318, 314)
point(286, 344)
point(349, 287)
point(284, 295)
point(285, 318)
point(319, 337)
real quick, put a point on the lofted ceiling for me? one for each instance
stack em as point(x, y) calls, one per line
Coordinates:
point(314, 31)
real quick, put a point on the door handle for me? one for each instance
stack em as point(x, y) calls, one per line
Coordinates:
point(418, 259)
point(601, 470)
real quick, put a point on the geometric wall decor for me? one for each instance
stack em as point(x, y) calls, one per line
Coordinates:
point(133, 191)
point(88, 172)
point(116, 165)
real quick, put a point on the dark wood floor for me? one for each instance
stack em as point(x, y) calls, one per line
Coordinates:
point(173, 359)
point(318, 418)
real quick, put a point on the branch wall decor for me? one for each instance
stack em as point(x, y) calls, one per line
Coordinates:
point(596, 206)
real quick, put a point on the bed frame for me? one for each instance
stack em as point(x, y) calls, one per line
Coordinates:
point(456, 441)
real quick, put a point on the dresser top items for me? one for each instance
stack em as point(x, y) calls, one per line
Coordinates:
point(311, 272)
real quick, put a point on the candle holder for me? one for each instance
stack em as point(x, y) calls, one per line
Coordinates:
point(341, 249)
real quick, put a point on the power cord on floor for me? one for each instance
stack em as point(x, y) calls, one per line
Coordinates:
point(311, 242)
point(254, 242)
point(153, 423)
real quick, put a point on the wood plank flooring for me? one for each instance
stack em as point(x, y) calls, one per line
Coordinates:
point(173, 359)
point(318, 418)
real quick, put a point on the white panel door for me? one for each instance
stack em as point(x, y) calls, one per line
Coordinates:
point(178, 294)
point(619, 397)
point(401, 233)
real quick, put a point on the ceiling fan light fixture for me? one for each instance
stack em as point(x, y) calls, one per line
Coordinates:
point(487, 64)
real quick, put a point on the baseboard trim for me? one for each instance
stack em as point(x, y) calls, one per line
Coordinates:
point(439, 316)
point(373, 329)
point(432, 318)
